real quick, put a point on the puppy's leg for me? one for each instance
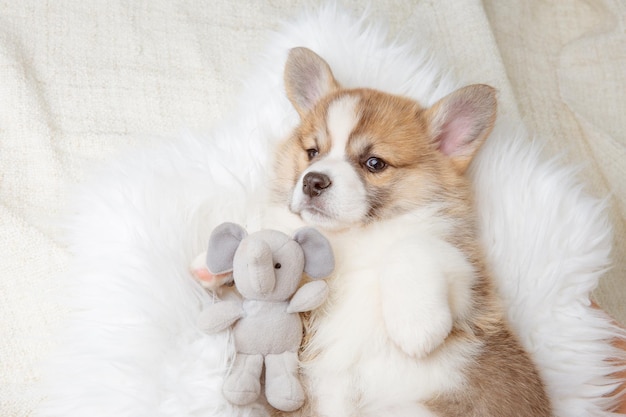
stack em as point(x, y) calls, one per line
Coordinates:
point(416, 292)
point(334, 396)
point(210, 281)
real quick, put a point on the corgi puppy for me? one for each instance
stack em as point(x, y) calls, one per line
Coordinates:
point(412, 326)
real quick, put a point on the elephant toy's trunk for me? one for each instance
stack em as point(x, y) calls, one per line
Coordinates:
point(261, 267)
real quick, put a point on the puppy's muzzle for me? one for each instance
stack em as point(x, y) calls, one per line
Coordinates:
point(315, 183)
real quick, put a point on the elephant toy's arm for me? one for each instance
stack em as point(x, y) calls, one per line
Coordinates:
point(308, 297)
point(220, 316)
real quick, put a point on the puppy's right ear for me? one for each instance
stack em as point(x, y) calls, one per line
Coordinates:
point(308, 78)
point(223, 244)
point(461, 121)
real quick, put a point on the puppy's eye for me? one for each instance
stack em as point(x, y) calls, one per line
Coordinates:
point(277, 265)
point(312, 153)
point(374, 164)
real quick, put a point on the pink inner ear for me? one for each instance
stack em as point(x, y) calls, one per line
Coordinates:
point(455, 134)
point(314, 86)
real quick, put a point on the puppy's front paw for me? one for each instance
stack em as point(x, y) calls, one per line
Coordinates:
point(210, 281)
point(414, 302)
point(416, 329)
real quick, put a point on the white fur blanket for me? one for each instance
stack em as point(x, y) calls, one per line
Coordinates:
point(132, 347)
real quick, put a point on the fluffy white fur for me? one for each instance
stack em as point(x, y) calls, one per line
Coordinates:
point(355, 355)
point(132, 347)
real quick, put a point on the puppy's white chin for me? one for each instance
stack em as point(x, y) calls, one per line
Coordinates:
point(318, 218)
point(327, 211)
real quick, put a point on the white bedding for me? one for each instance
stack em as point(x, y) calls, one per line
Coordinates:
point(83, 81)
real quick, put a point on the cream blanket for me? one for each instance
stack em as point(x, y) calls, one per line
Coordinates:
point(82, 81)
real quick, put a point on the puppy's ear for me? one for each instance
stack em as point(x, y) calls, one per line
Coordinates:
point(460, 122)
point(308, 78)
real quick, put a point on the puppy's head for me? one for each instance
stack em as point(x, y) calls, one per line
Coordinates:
point(360, 155)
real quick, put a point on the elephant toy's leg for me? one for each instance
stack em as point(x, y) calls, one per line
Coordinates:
point(243, 385)
point(282, 383)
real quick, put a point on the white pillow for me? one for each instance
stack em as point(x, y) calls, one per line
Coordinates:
point(132, 347)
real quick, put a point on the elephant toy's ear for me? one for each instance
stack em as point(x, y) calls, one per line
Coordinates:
point(319, 260)
point(223, 244)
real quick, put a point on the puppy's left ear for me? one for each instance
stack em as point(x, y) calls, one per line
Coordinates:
point(308, 78)
point(460, 122)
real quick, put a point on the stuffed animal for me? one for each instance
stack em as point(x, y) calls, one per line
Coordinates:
point(267, 268)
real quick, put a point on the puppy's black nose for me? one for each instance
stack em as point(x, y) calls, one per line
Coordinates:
point(314, 183)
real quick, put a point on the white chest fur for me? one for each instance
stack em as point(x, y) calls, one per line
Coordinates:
point(397, 289)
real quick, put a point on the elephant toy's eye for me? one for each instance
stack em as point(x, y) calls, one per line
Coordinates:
point(277, 266)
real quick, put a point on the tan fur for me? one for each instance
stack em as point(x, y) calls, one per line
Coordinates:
point(502, 380)
point(390, 123)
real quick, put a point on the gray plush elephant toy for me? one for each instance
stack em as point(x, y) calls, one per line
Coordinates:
point(267, 268)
